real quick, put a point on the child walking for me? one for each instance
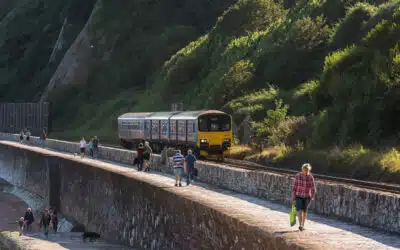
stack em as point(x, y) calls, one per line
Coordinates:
point(21, 223)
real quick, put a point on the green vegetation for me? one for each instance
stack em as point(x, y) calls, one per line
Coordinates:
point(317, 77)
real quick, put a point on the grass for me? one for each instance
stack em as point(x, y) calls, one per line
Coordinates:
point(351, 162)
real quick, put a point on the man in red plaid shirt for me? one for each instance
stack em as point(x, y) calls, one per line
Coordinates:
point(303, 192)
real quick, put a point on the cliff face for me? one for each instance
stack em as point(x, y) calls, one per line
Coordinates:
point(78, 59)
point(35, 34)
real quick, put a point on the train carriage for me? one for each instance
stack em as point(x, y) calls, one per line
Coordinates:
point(131, 129)
point(207, 132)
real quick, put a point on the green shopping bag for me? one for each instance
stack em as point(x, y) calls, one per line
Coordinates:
point(293, 216)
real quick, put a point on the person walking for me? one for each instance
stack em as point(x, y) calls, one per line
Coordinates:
point(95, 147)
point(82, 146)
point(29, 219)
point(43, 137)
point(303, 192)
point(178, 167)
point(91, 148)
point(21, 224)
point(21, 136)
point(147, 156)
point(45, 222)
point(28, 136)
point(54, 220)
point(139, 157)
point(190, 161)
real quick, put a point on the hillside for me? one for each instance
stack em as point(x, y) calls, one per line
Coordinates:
point(319, 78)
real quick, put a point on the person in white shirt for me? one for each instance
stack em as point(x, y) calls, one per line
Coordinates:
point(82, 145)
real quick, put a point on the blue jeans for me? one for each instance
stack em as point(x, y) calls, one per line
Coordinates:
point(189, 176)
point(41, 143)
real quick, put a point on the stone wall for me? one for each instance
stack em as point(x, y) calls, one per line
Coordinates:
point(129, 210)
point(362, 206)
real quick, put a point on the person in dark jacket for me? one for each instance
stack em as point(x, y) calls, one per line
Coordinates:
point(29, 219)
point(190, 161)
point(54, 220)
point(95, 147)
point(139, 157)
point(45, 222)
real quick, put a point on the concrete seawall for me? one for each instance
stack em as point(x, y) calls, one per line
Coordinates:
point(362, 206)
point(130, 210)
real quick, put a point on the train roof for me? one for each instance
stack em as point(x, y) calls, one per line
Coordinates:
point(134, 116)
point(192, 115)
point(185, 115)
point(161, 115)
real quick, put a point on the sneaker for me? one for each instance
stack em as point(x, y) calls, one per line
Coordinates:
point(176, 185)
point(301, 228)
point(180, 184)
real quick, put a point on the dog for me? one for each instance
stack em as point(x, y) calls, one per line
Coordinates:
point(91, 235)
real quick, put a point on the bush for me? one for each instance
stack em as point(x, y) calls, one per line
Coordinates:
point(247, 16)
point(281, 64)
point(291, 131)
point(352, 28)
point(304, 101)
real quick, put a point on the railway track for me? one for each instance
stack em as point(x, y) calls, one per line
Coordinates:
point(384, 187)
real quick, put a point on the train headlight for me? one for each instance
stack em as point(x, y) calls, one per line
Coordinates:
point(203, 140)
point(227, 140)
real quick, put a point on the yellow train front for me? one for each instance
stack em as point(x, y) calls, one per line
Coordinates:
point(208, 133)
point(214, 136)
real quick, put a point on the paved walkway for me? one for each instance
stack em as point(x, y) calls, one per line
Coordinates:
point(321, 233)
point(60, 241)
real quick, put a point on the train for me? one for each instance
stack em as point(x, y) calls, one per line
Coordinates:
point(207, 132)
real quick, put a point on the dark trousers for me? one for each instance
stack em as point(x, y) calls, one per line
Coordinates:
point(96, 152)
point(29, 226)
point(139, 163)
point(55, 224)
point(46, 230)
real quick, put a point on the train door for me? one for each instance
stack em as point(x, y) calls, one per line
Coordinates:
point(147, 130)
point(182, 131)
point(173, 133)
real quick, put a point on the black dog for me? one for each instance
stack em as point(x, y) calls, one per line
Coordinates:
point(91, 235)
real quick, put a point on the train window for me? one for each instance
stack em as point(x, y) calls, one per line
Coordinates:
point(203, 124)
point(135, 125)
point(215, 123)
point(154, 125)
point(190, 127)
point(181, 127)
point(214, 127)
point(164, 127)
